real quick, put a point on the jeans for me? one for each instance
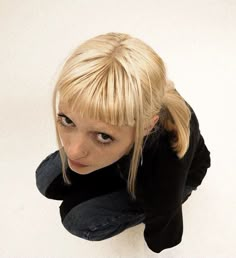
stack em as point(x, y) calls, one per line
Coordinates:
point(105, 216)
point(93, 218)
point(102, 217)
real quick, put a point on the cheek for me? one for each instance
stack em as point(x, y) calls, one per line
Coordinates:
point(115, 153)
point(62, 136)
point(108, 158)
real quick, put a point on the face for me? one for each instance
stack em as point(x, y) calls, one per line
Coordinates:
point(92, 143)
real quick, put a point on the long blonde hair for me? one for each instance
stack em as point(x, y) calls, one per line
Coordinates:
point(120, 80)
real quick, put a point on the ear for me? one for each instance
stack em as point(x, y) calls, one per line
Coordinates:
point(148, 129)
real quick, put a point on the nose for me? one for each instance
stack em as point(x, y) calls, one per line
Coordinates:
point(78, 148)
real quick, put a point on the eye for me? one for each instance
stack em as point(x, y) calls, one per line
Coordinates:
point(100, 138)
point(104, 138)
point(64, 120)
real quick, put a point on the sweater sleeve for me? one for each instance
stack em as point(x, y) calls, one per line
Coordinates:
point(163, 182)
point(201, 162)
point(165, 230)
point(161, 185)
point(163, 205)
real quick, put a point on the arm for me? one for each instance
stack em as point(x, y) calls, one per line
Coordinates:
point(201, 162)
point(163, 231)
point(163, 183)
point(164, 193)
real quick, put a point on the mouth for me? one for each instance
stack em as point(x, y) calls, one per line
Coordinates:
point(76, 163)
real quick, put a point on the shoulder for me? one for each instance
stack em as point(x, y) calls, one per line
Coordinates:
point(159, 143)
point(163, 174)
point(161, 138)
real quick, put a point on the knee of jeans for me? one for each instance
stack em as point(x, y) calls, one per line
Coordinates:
point(41, 184)
point(47, 171)
point(82, 222)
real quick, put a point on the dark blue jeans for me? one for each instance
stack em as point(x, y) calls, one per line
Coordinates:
point(102, 217)
point(95, 217)
point(105, 216)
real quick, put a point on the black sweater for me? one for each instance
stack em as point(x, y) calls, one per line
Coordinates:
point(160, 183)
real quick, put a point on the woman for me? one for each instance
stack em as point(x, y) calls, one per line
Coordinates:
point(130, 147)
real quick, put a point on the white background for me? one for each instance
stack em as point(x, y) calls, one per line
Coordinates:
point(197, 41)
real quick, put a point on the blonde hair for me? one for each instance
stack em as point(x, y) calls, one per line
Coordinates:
point(126, 81)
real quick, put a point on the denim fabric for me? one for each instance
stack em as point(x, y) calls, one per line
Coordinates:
point(49, 169)
point(103, 217)
point(106, 216)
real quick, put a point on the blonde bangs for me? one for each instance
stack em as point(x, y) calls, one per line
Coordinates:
point(106, 94)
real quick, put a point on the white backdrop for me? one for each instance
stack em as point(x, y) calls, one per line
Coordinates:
point(197, 41)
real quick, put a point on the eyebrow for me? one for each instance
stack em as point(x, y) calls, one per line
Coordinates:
point(101, 129)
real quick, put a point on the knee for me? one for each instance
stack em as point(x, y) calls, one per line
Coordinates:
point(47, 171)
point(83, 223)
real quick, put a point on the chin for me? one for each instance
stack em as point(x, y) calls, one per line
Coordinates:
point(81, 171)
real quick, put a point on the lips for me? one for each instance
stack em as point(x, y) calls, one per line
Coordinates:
point(77, 163)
